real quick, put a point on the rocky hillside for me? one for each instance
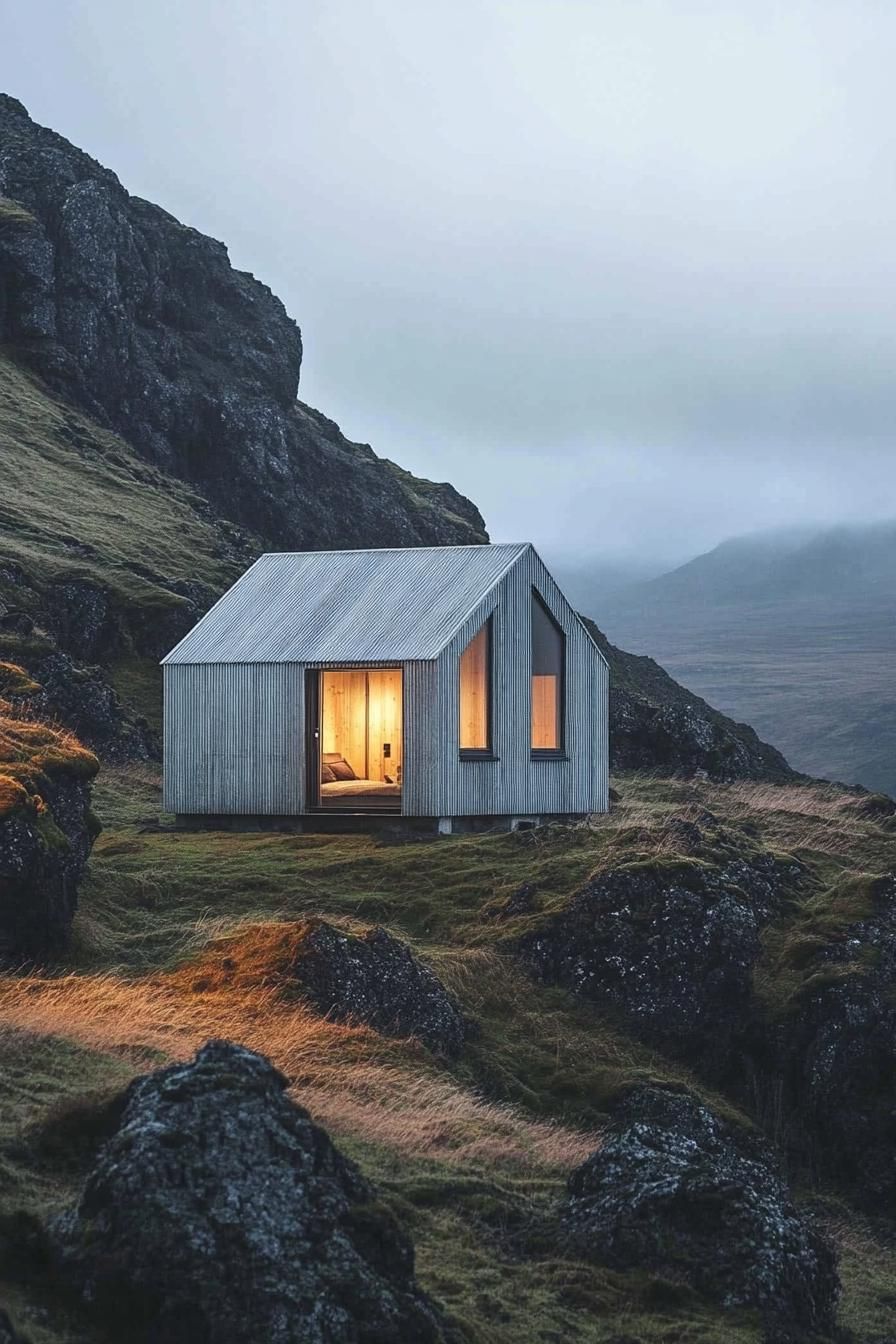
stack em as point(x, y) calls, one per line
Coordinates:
point(655, 724)
point(143, 324)
point(152, 445)
point(151, 442)
point(632, 1081)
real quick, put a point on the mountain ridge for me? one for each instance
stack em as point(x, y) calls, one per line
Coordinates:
point(794, 632)
point(142, 323)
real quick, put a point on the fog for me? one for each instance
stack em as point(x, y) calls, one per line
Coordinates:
point(621, 270)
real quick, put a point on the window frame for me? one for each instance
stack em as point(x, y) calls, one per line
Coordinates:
point(486, 753)
point(557, 753)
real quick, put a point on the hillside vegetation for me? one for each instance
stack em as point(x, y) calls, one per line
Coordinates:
point(561, 1067)
point(173, 945)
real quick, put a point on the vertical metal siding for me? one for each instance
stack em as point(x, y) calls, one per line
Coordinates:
point(233, 738)
point(234, 732)
point(513, 783)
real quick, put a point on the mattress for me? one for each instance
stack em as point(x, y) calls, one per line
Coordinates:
point(371, 788)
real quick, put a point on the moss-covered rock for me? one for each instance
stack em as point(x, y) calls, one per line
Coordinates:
point(369, 977)
point(676, 1190)
point(46, 828)
point(666, 943)
point(217, 1210)
point(835, 1036)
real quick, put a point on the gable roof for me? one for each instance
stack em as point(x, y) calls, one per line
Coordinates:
point(347, 606)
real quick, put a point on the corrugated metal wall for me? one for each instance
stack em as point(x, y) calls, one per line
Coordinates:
point(513, 783)
point(233, 738)
point(234, 731)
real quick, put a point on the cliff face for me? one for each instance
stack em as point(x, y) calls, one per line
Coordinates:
point(143, 323)
point(152, 444)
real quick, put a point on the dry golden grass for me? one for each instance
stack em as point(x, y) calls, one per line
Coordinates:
point(822, 800)
point(30, 750)
point(15, 680)
point(351, 1080)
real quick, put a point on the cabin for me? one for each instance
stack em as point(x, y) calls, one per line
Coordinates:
point(452, 685)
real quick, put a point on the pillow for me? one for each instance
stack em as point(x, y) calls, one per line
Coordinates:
point(331, 756)
point(342, 770)
point(326, 774)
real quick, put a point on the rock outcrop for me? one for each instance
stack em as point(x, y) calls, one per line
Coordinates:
point(667, 944)
point(676, 1191)
point(656, 724)
point(836, 1052)
point(143, 323)
point(8, 1333)
point(46, 826)
point(219, 1211)
point(370, 978)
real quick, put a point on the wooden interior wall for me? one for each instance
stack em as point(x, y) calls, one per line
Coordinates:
point(344, 717)
point(545, 718)
point(361, 712)
point(474, 687)
point(384, 722)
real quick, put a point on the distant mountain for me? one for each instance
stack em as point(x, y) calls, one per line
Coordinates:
point(795, 632)
point(582, 582)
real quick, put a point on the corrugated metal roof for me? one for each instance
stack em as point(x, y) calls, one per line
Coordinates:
point(347, 606)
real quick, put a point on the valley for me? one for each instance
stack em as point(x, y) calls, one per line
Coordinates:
point(795, 636)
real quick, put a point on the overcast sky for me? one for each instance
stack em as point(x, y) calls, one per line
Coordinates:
point(621, 270)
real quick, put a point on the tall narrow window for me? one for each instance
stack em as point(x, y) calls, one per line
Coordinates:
point(476, 692)
point(547, 679)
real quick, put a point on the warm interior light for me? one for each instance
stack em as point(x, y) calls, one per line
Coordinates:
point(360, 717)
point(474, 693)
point(545, 702)
point(547, 678)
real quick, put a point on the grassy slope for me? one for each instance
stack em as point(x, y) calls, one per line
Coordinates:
point(470, 1155)
point(77, 503)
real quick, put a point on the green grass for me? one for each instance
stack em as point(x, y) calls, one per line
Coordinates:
point(472, 1158)
point(138, 682)
point(77, 502)
point(12, 214)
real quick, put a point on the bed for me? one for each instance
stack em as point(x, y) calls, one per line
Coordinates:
point(339, 783)
point(353, 788)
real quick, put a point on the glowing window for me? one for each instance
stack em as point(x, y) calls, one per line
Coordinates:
point(476, 692)
point(547, 679)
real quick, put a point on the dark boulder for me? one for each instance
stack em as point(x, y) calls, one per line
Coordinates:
point(369, 978)
point(677, 1191)
point(837, 1053)
point(376, 979)
point(668, 944)
point(42, 860)
point(219, 1211)
point(8, 1333)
